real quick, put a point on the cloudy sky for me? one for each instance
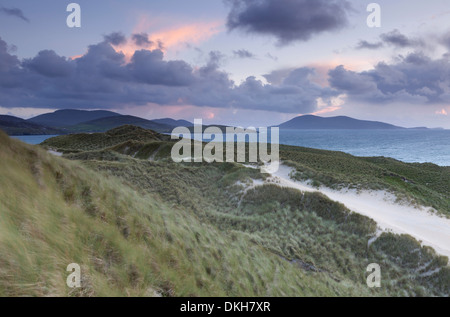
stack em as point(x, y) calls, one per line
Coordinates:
point(241, 62)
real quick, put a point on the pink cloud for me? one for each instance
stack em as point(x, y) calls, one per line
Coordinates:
point(326, 110)
point(186, 33)
point(171, 37)
point(442, 112)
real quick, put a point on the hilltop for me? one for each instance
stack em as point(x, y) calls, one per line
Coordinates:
point(96, 141)
point(173, 123)
point(105, 124)
point(69, 117)
point(17, 126)
point(334, 123)
point(79, 121)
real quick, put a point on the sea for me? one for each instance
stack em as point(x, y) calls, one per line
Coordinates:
point(411, 146)
point(33, 139)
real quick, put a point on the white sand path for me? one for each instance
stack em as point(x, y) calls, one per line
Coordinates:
point(421, 223)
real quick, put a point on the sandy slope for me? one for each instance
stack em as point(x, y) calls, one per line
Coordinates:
point(422, 224)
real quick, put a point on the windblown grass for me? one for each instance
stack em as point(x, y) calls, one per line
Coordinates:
point(55, 212)
point(314, 245)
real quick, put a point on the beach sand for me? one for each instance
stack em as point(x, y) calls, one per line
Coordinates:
point(421, 223)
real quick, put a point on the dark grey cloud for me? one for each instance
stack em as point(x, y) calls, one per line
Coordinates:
point(288, 20)
point(103, 78)
point(393, 38)
point(292, 93)
point(398, 39)
point(14, 12)
point(150, 68)
point(115, 38)
point(414, 78)
point(7, 61)
point(142, 40)
point(367, 45)
point(48, 63)
point(243, 54)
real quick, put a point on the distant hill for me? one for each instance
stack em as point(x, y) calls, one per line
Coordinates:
point(174, 123)
point(17, 126)
point(315, 122)
point(76, 121)
point(105, 124)
point(65, 118)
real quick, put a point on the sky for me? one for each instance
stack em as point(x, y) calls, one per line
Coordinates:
point(239, 62)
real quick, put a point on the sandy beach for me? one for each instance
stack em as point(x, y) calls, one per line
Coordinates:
point(420, 222)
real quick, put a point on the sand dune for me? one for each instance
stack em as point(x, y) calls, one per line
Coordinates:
point(421, 223)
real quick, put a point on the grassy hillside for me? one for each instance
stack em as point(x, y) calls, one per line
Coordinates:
point(98, 141)
point(16, 126)
point(69, 117)
point(425, 184)
point(55, 212)
point(105, 124)
point(314, 236)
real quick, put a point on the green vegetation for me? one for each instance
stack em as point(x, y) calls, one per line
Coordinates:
point(97, 141)
point(425, 184)
point(104, 124)
point(141, 225)
point(283, 242)
point(54, 212)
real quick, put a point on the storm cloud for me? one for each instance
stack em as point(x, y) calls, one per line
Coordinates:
point(48, 63)
point(415, 78)
point(105, 78)
point(287, 20)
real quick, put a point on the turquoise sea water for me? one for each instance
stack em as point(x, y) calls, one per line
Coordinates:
point(33, 139)
point(411, 146)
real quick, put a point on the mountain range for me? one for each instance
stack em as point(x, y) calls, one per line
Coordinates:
point(78, 121)
point(17, 126)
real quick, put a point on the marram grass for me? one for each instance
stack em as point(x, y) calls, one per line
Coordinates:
point(141, 225)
